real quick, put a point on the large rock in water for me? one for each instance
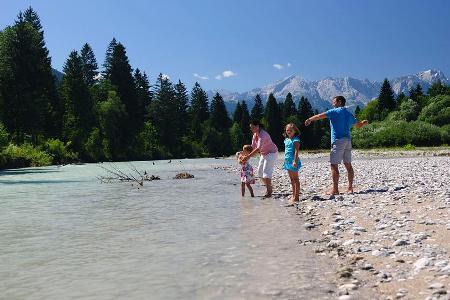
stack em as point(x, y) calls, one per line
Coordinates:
point(183, 175)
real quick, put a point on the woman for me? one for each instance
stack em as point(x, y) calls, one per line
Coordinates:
point(262, 143)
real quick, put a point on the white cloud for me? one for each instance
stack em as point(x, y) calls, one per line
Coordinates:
point(278, 66)
point(289, 64)
point(165, 76)
point(200, 77)
point(225, 74)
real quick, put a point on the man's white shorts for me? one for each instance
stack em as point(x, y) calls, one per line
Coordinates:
point(267, 164)
point(341, 150)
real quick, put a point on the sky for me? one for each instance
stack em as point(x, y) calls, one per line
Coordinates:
point(242, 44)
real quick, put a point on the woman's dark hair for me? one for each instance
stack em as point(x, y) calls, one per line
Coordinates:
point(257, 123)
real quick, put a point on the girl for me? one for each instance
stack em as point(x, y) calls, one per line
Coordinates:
point(247, 178)
point(291, 161)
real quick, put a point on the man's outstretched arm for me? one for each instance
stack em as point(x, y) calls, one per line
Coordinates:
point(315, 118)
point(361, 123)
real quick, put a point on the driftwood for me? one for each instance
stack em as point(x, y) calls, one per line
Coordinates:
point(113, 174)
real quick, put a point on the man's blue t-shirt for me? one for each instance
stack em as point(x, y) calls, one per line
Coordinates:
point(341, 120)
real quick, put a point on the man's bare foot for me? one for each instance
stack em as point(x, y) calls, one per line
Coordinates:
point(349, 191)
point(332, 192)
point(267, 196)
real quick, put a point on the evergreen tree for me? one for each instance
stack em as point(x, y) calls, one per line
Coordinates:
point(357, 111)
point(162, 109)
point(143, 94)
point(437, 88)
point(75, 94)
point(401, 97)
point(219, 115)
point(418, 90)
point(89, 65)
point(33, 19)
point(181, 111)
point(257, 112)
point(198, 110)
point(386, 98)
point(108, 57)
point(27, 89)
point(237, 115)
point(245, 122)
point(120, 74)
point(289, 108)
point(304, 110)
point(307, 133)
point(274, 121)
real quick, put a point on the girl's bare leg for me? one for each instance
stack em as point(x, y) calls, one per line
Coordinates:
point(249, 186)
point(242, 189)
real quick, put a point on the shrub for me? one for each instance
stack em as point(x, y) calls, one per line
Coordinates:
point(397, 134)
point(437, 111)
point(4, 137)
point(24, 156)
point(59, 151)
point(445, 134)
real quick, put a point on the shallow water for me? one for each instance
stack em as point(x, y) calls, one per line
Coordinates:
point(64, 235)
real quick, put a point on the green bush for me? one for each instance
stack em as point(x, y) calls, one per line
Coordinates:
point(397, 134)
point(4, 137)
point(408, 111)
point(445, 134)
point(437, 112)
point(25, 155)
point(59, 151)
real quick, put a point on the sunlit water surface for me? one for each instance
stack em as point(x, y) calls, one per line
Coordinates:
point(63, 235)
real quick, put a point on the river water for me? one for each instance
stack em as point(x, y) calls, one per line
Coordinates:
point(65, 235)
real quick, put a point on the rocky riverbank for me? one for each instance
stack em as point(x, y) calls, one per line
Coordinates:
point(391, 238)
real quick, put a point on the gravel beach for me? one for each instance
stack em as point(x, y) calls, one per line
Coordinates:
point(390, 239)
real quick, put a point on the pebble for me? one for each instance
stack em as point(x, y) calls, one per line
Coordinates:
point(400, 242)
point(421, 263)
point(436, 285)
point(346, 297)
point(309, 225)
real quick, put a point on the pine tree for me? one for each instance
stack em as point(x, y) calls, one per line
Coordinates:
point(289, 108)
point(144, 93)
point(75, 94)
point(108, 58)
point(274, 121)
point(219, 115)
point(181, 112)
point(304, 110)
point(198, 110)
point(33, 19)
point(437, 88)
point(257, 112)
point(237, 115)
point(89, 65)
point(120, 74)
point(386, 98)
point(161, 112)
point(245, 122)
point(27, 90)
point(357, 111)
point(307, 133)
point(418, 90)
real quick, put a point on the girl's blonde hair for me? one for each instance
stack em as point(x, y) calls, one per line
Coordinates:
point(293, 127)
point(248, 148)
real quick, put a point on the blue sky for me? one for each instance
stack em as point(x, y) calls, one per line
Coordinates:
point(239, 45)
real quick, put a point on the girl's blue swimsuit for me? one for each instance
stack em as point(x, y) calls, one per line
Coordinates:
point(289, 152)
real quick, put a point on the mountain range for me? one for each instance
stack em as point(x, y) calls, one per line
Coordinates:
point(320, 93)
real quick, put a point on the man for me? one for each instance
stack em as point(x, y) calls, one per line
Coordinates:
point(341, 120)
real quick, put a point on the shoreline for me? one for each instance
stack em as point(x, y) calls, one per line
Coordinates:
point(390, 239)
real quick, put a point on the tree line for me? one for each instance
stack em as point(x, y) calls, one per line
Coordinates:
point(114, 113)
point(419, 119)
